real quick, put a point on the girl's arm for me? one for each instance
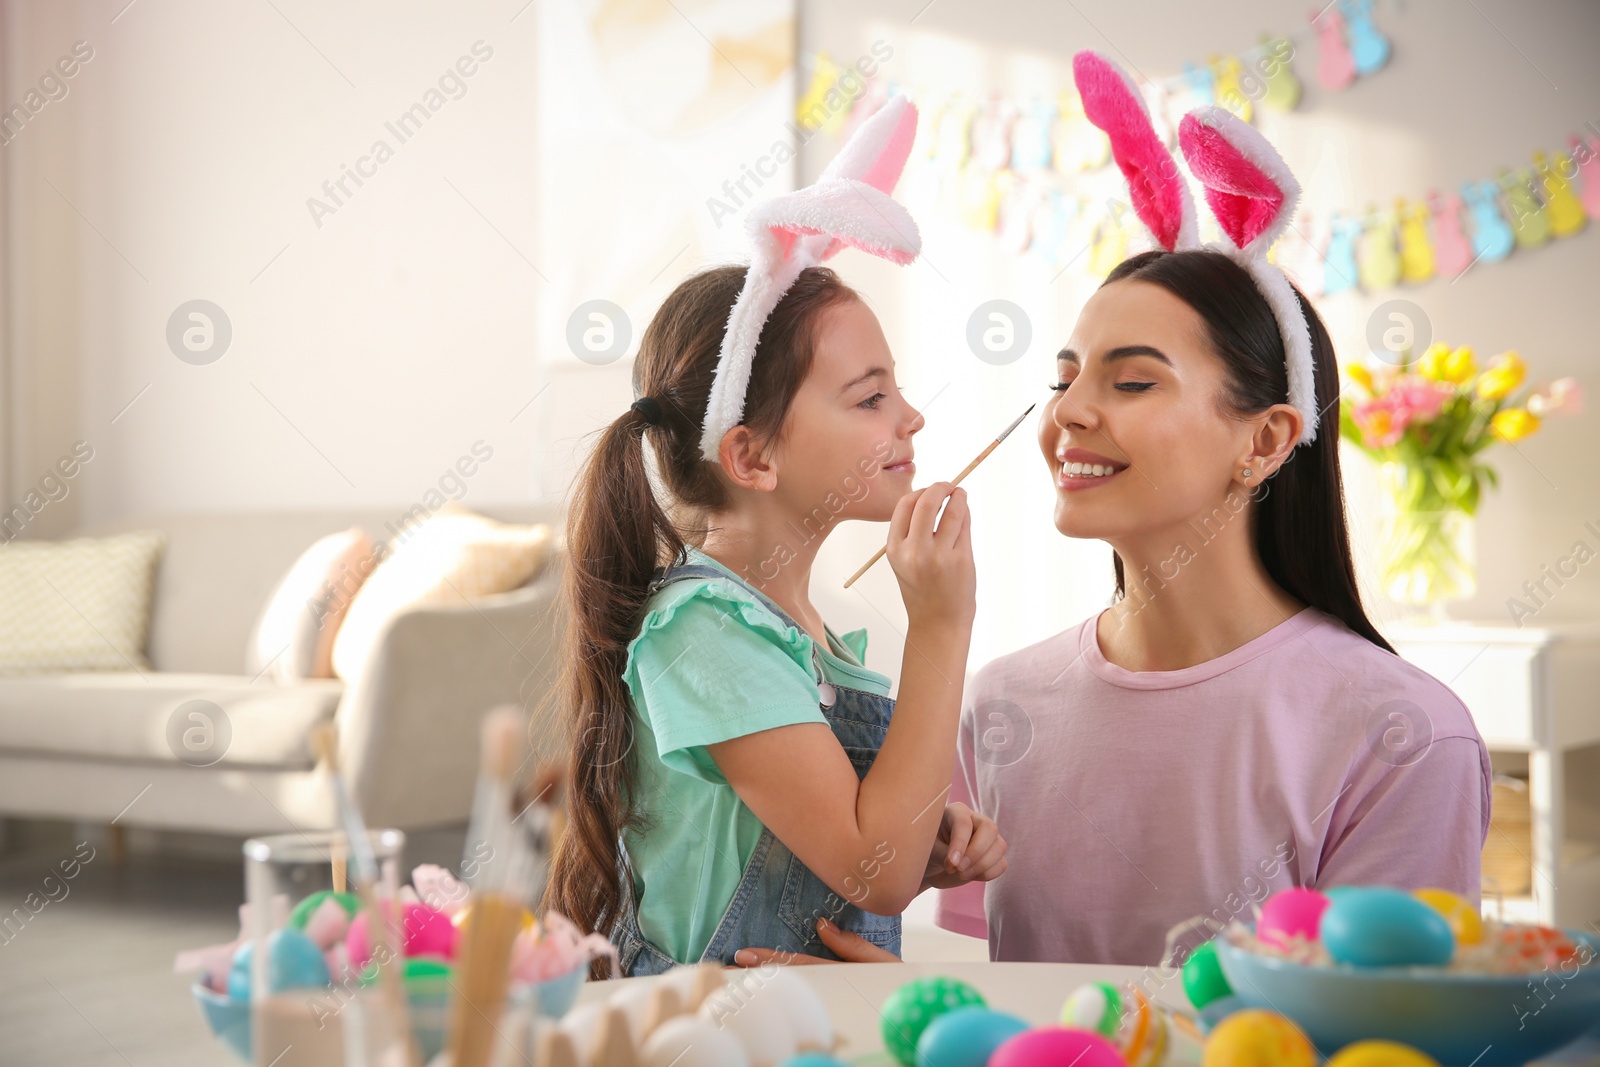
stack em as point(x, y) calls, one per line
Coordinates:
point(869, 839)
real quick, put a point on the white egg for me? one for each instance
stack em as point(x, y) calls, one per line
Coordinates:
point(684, 978)
point(760, 1023)
point(802, 1004)
point(690, 1041)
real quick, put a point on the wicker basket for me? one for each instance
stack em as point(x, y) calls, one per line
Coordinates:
point(1508, 854)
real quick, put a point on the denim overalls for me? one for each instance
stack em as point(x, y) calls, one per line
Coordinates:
point(778, 900)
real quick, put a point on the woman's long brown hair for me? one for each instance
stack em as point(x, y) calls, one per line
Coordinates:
point(619, 532)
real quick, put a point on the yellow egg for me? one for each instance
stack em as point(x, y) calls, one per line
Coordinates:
point(1257, 1038)
point(1381, 1054)
point(1463, 918)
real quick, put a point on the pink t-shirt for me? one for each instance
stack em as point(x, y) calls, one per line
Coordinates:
point(1132, 801)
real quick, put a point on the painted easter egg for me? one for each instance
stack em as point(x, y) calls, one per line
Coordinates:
point(1291, 915)
point(429, 931)
point(1123, 1016)
point(1380, 927)
point(1056, 1046)
point(1380, 1054)
point(966, 1037)
point(1203, 979)
point(293, 962)
point(1463, 919)
point(910, 1009)
point(302, 911)
point(1258, 1038)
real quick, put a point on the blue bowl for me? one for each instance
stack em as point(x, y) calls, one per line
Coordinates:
point(229, 1020)
point(1458, 1019)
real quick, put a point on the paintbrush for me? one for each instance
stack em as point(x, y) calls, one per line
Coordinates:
point(499, 869)
point(363, 864)
point(969, 469)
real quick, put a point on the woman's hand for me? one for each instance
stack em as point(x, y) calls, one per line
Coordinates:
point(969, 848)
point(849, 947)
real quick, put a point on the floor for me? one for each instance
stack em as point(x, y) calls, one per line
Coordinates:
point(88, 981)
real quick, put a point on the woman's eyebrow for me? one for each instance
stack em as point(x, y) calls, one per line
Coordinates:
point(1067, 355)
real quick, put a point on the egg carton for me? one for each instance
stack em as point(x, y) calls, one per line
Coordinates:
point(699, 1015)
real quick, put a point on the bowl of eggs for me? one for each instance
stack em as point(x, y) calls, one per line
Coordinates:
point(1423, 969)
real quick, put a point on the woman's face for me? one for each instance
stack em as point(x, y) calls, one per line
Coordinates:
point(847, 434)
point(1142, 400)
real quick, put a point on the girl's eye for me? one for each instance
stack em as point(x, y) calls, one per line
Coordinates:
point(871, 402)
point(1134, 387)
point(1060, 387)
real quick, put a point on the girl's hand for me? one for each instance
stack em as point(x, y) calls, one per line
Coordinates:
point(934, 566)
point(969, 848)
point(850, 948)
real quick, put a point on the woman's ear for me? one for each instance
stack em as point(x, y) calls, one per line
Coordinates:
point(1273, 441)
point(746, 461)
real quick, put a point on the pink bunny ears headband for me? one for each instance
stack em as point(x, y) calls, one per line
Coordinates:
point(1248, 188)
point(848, 206)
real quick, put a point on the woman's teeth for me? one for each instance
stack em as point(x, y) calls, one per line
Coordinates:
point(1089, 470)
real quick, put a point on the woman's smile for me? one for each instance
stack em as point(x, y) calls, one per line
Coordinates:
point(1082, 469)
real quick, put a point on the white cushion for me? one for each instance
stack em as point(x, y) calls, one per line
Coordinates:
point(450, 557)
point(294, 636)
point(78, 605)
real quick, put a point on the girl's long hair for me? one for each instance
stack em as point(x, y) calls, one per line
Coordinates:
point(619, 532)
point(1299, 526)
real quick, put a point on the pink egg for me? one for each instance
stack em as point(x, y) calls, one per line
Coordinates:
point(429, 932)
point(356, 943)
point(1056, 1046)
point(1290, 914)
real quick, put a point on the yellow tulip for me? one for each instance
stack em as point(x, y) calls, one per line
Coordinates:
point(1460, 366)
point(1431, 365)
point(1513, 424)
point(1361, 376)
point(1502, 377)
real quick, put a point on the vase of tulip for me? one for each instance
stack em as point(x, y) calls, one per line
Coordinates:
point(1426, 422)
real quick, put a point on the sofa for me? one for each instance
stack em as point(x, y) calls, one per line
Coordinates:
point(100, 746)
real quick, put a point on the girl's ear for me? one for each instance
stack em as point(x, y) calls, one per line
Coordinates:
point(1248, 186)
point(746, 461)
point(1155, 185)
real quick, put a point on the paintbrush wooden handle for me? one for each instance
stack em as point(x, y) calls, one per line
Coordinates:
point(865, 567)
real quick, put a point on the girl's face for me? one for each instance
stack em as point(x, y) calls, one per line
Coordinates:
point(847, 434)
point(1138, 399)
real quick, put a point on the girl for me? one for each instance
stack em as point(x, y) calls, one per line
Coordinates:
point(1233, 724)
point(738, 775)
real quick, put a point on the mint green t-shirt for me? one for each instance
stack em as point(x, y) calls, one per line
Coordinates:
point(712, 662)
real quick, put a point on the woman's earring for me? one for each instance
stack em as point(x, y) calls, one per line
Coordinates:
point(1247, 472)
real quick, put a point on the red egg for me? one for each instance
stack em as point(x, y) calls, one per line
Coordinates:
point(1057, 1046)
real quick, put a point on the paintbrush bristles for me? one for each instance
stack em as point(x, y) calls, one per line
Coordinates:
point(502, 742)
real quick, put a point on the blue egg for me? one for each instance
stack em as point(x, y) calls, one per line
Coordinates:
point(293, 962)
point(1374, 926)
point(966, 1037)
point(812, 1059)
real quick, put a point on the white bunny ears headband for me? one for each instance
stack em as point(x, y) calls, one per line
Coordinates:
point(848, 206)
point(1248, 187)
